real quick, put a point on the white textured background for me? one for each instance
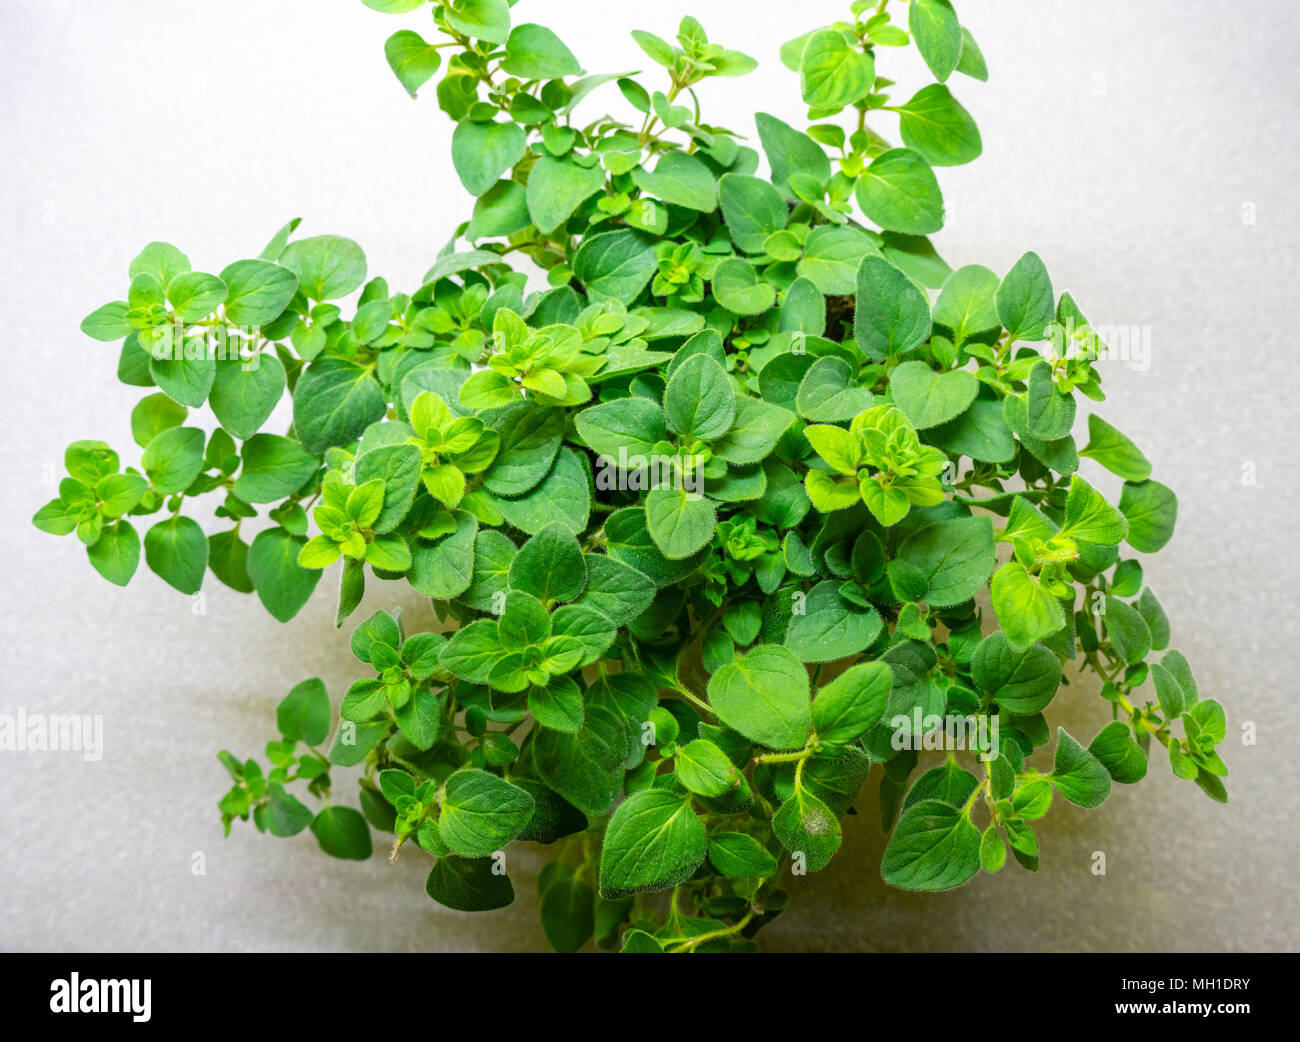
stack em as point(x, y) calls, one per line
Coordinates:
point(1125, 142)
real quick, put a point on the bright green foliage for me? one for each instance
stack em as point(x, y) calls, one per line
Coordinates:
point(710, 520)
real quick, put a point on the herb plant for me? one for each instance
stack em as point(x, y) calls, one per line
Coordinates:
point(710, 521)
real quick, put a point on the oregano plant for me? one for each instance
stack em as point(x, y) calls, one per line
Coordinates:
point(731, 496)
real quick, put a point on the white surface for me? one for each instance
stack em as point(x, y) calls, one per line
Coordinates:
point(1123, 142)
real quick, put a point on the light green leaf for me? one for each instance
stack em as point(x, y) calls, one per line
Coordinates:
point(533, 52)
point(900, 193)
point(833, 74)
point(764, 696)
point(177, 551)
point(481, 813)
point(482, 152)
point(1152, 511)
point(936, 126)
point(1026, 610)
point(938, 36)
point(557, 187)
point(412, 59)
point(893, 312)
point(654, 841)
point(1077, 774)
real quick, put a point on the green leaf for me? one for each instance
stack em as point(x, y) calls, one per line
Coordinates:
point(228, 559)
point(754, 432)
point(950, 561)
point(827, 393)
point(283, 586)
point(257, 291)
point(487, 20)
point(530, 441)
point(615, 265)
point(1024, 299)
point(680, 179)
point(832, 256)
point(469, 884)
point(852, 702)
point(627, 425)
point(933, 847)
point(482, 152)
point(173, 459)
point(1152, 511)
point(972, 60)
point(833, 74)
point(738, 288)
point(342, 832)
point(752, 210)
point(764, 696)
point(563, 496)
point(808, 828)
point(654, 841)
point(177, 551)
point(938, 36)
point(1122, 757)
point(900, 193)
point(705, 769)
point(557, 187)
point(116, 553)
point(738, 855)
point(583, 767)
point(481, 813)
point(1089, 517)
point(567, 911)
point(394, 6)
point(1127, 631)
point(1021, 682)
point(831, 627)
point(616, 590)
point(893, 312)
point(1026, 610)
point(285, 815)
point(327, 266)
point(967, 304)
point(412, 59)
point(981, 432)
point(699, 402)
point(334, 402)
point(929, 399)
point(790, 152)
point(398, 467)
point(161, 261)
point(243, 396)
point(1153, 614)
point(500, 211)
point(558, 706)
point(550, 566)
point(993, 852)
point(274, 467)
point(195, 295)
point(109, 322)
point(1077, 774)
point(936, 126)
point(445, 569)
point(1114, 451)
point(679, 522)
point(304, 713)
point(533, 52)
